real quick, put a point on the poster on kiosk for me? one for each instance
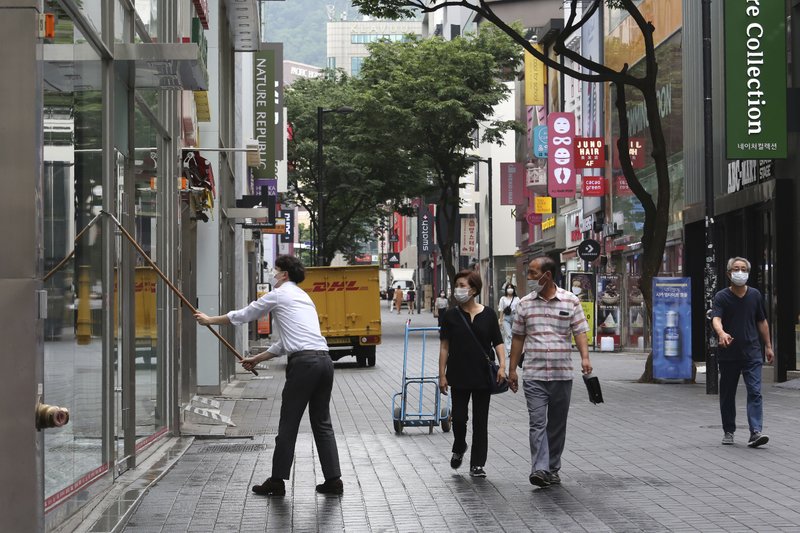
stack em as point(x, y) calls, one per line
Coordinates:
point(672, 328)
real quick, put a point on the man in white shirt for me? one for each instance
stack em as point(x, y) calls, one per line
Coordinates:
point(309, 374)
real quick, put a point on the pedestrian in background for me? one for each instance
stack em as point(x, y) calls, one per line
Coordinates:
point(506, 307)
point(739, 320)
point(440, 306)
point(309, 374)
point(546, 321)
point(411, 296)
point(463, 367)
point(390, 297)
point(398, 299)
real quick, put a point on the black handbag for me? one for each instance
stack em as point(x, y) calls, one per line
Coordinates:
point(593, 387)
point(492, 367)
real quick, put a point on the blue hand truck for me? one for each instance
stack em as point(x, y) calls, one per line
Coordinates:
point(422, 413)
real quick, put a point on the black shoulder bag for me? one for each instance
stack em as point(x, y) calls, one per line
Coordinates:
point(492, 367)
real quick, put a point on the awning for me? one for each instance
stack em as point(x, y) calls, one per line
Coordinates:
point(244, 23)
point(165, 65)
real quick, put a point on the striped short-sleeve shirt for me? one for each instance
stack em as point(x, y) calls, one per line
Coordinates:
point(548, 326)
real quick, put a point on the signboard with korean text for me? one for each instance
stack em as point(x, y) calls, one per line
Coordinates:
point(540, 142)
point(590, 152)
point(561, 182)
point(636, 149)
point(755, 79)
point(469, 230)
point(512, 183)
point(672, 328)
point(536, 177)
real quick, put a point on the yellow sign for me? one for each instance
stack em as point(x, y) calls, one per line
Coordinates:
point(549, 223)
point(543, 205)
point(535, 78)
point(588, 310)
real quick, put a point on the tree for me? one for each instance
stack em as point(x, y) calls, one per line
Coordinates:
point(655, 203)
point(435, 93)
point(365, 172)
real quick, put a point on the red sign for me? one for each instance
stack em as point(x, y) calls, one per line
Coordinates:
point(636, 148)
point(594, 186)
point(561, 155)
point(512, 183)
point(623, 189)
point(590, 152)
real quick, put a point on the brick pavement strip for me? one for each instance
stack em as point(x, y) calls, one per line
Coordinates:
point(649, 459)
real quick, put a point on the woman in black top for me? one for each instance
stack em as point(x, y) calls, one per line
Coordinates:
point(463, 367)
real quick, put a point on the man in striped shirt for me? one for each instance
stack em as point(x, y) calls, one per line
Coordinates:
point(545, 322)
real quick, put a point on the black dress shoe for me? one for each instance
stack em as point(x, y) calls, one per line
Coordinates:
point(271, 487)
point(331, 486)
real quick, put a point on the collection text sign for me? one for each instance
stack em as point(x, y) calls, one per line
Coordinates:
point(755, 79)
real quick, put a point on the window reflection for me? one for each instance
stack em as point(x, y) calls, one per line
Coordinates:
point(72, 197)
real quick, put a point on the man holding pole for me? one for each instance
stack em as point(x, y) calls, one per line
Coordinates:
point(309, 374)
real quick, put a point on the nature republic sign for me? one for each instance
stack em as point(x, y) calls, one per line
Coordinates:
point(755, 79)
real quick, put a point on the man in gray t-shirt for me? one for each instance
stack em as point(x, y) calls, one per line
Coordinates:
point(740, 323)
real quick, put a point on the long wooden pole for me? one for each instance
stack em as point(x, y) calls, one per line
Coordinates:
point(171, 286)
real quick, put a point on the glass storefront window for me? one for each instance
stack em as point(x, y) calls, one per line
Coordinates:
point(148, 363)
point(73, 193)
point(147, 10)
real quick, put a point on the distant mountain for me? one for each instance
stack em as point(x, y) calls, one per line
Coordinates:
point(300, 26)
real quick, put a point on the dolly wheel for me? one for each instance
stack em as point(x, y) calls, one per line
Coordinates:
point(398, 424)
point(447, 421)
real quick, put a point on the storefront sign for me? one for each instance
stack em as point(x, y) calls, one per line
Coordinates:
point(672, 328)
point(621, 186)
point(536, 177)
point(590, 152)
point(534, 78)
point(548, 223)
point(608, 307)
point(469, 229)
point(561, 155)
point(512, 183)
point(543, 205)
point(267, 107)
point(755, 79)
point(594, 186)
point(288, 232)
point(747, 172)
point(636, 149)
point(572, 227)
point(540, 142)
point(263, 324)
point(425, 230)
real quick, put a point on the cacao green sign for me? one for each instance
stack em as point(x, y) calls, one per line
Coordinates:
point(755, 79)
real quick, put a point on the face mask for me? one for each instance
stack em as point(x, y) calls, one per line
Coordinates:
point(576, 290)
point(274, 281)
point(510, 292)
point(535, 286)
point(461, 294)
point(739, 278)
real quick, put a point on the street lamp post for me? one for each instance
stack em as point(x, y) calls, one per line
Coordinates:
point(321, 179)
point(490, 266)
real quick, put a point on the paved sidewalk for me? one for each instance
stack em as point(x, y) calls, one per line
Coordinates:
point(649, 459)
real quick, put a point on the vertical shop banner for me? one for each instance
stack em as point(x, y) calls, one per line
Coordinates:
point(590, 152)
point(469, 229)
point(561, 182)
point(636, 313)
point(288, 232)
point(581, 284)
point(540, 142)
point(512, 183)
point(535, 73)
point(424, 230)
point(672, 328)
point(608, 307)
point(268, 127)
point(755, 79)
point(263, 323)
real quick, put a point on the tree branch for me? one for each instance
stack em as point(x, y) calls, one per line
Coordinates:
point(623, 149)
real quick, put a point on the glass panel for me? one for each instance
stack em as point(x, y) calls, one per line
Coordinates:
point(148, 12)
point(73, 196)
point(122, 23)
point(149, 417)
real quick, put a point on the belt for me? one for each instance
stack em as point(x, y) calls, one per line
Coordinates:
point(308, 352)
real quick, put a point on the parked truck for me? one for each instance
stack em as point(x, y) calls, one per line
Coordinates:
point(348, 304)
point(402, 277)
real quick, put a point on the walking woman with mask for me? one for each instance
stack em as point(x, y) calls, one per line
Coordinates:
point(468, 333)
point(507, 306)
